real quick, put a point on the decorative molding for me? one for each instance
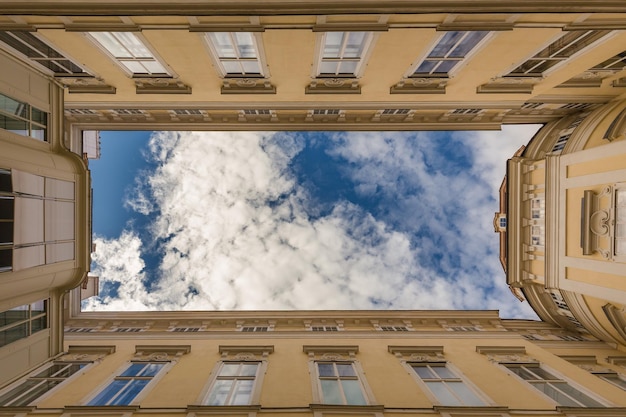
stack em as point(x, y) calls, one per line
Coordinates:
point(247, 86)
point(101, 27)
point(617, 360)
point(347, 409)
point(473, 411)
point(333, 86)
point(87, 353)
point(509, 85)
point(350, 27)
point(240, 352)
point(505, 354)
point(160, 352)
point(150, 85)
point(331, 352)
point(589, 78)
point(93, 85)
point(620, 82)
point(475, 26)
point(595, 25)
point(617, 317)
point(418, 353)
point(422, 85)
point(592, 411)
point(226, 27)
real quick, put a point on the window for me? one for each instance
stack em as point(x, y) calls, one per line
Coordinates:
point(449, 52)
point(130, 52)
point(23, 321)
point(445, 386)
point(620, 221)
point(237, 53)
point(558, 52)
point(617, 63)
point(613, 378)
point(41, 382)
point(22, 118)
point(254, 329)
point(394, 328)
point(39, 51)
point(555, 388)
point(342, 53)
point(186, 329)
point(339, 383)
point(126, 386)
point(324, 328)
point(234, 384)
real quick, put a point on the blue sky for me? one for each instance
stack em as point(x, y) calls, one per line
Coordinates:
point(305, 220)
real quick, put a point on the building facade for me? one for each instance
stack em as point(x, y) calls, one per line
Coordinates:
point(72, 68)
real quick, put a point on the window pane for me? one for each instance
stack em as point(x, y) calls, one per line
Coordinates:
point(465, 395)
point(443, 48)
point(581, 398)
point(242, 392)
point(16, 126)
point(135, 67)
point(154, 67)
point(329, 67)
point(130, 391)
point(352, 391)
point(39, 324)
point(443, 372)
point(355, 44)
point(330, 391)
point(229, 369)
point(133, 45)
point(219, 392)
point(467, 44)
point(110, 43)
point(40, 389)
point(251, 67)
point(14, 396)
point(14, 315)
point(326, 369)
point(426, 67)
point(223, 44)
point(108, 393)
point(445, 67)
point(424, 372)
point(332, 44)
point(14, 333)
point(134, 369)
point(248, 369)
point(348, 67)
point(14, 107)
point(60, 370)
point(245, 44)
point(441, 392)
point(345, 369)
point(614, 379)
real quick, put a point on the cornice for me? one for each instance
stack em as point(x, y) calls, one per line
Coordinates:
point(319, 7)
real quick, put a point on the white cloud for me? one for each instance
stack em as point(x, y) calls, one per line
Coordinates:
point(236, 231)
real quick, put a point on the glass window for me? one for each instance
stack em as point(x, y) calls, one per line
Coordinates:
point(620, 221)
point(558, 51)
point(44, 380)
point(613, 378)
point(448, 388)
point(39, 51)
point(339, 383)
point(555, 388)
point(126, 386)
point(22, 321)
point(451, 49)
point(130, 52)
point(237, 53)
point(234, 384)
point(342, 53)
point(22, 118)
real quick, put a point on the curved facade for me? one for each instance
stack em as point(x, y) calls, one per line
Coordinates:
point(565, 237)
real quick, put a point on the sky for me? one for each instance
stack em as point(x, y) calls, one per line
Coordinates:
point(301, 220)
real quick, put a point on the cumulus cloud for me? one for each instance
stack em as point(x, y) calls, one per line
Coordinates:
point(235, 229)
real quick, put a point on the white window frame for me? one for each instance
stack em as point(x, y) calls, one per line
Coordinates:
point(619, 225)
point(361, 61)
point(33, 376)
point(558, 379)
point(336, 354)
point(153, 380)
point(457, 377)
point(358, 376)
point(130, 57)
point(613, 378)
point(255, 392)
point(549, 55)
point(460, 61)
point(257, 42)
